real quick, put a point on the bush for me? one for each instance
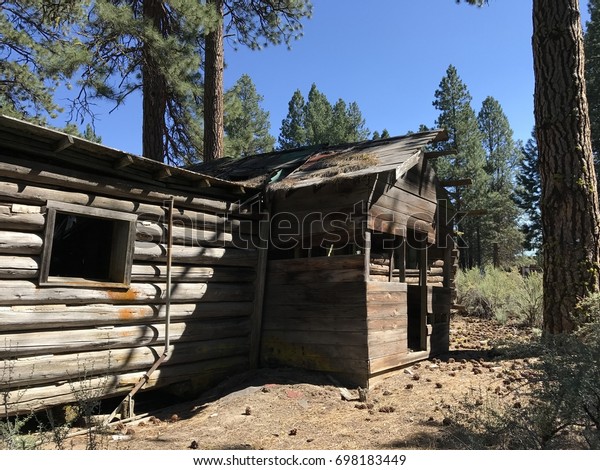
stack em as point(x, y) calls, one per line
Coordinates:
point(503, 295)
point(561, 404)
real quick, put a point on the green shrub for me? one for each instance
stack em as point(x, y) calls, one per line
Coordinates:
point(499, 294)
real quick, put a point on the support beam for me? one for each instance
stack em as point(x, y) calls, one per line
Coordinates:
point(64, 143)
point(163, 174)
point(203, 183)
point(259, 292)
point(367, 255)
point(423, 284)
point(473, 213)
point(123, 162)
point(457, 182)
point(441, 153)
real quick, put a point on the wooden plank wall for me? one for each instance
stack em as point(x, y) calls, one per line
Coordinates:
point(56, 340)
point(315, 316)
point(387, 323)
point(410, 202)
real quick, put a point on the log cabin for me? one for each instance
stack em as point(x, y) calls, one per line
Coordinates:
point(360, 272)
point(90, 268)
point(119, 273)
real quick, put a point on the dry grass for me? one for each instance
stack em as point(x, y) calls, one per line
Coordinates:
point(342, 164)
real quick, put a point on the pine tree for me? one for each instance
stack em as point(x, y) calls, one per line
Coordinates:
point(37, 54)
point(347, 124)
point(316, 121)
point(457, 116)
point(318, 116)
point(570, 213)
point(152, 47)
point(592, 72)
point(247, 125)
point(500, 223)
point(527, 194)
point(569, 199)
point(356, 130)
point(252, 23)
point(293, 131)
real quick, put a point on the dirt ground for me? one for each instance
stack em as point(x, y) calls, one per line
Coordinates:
point(291, 409)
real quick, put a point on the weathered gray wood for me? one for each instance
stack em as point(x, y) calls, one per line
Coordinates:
point(259, 295)
point(316, 264)
point(36, 195)
point(27, 221)
point(19, 267)
point(316, 294)
point(182, 235)
point(37, 398)
point(50, 317)
point(28, 293)
point(341, 322)
point(156, 272)
point(20, 243)
point(424, 297)
point(48, 368)
point(150, 251)
point(52, 175)
point(310, 311)
point(91, 339)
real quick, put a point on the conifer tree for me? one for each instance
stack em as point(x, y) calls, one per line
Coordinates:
point(592, 73)
point(318, 116)
point(457, 116)
point(251, 23)
point(316, 121)
point(246, 124)
point(500, 223)
point(293, 130)
point(153, 47)
point(527, 194)
point(36, 54)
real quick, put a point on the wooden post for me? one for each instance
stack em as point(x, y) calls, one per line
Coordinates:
point(391, 270)
point(448, 263)
point(367, 255)
point(423, 284)
point(402, 260)
point(261, 274)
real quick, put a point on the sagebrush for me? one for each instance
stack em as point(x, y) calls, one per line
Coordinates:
point(503, 295)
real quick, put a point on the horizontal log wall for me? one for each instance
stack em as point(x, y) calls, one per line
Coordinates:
point(52, 336)
point(315, 316)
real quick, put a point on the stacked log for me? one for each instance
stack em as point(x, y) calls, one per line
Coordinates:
point(52, 336)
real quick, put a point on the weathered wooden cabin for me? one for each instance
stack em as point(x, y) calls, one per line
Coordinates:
point(361, 259)
point(117, 271)
point(87, 273)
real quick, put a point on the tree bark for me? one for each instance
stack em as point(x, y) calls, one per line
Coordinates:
point(569, 202)
point(213, 89)
point(154, 90)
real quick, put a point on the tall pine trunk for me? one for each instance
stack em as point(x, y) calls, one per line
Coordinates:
point(213, 89)
point(154, 91)
point(569, 202)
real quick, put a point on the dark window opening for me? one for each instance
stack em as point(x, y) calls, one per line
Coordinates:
point(86, 245)
point(81, 247)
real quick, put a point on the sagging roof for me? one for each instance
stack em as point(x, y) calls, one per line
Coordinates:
point(308, 166)
point(60, 148)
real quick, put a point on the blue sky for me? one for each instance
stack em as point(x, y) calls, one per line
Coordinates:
point(387, 55)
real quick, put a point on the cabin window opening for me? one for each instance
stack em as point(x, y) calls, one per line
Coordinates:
point(85, 245)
